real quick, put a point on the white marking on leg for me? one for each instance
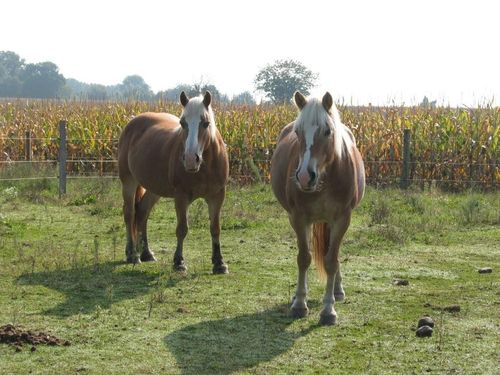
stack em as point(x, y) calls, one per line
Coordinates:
point(329, 299)
point(338, 289)
point(300, 301)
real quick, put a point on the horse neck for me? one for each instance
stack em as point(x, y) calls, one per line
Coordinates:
point(214, 146)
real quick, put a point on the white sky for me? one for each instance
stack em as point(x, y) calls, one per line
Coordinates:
point(364, 51)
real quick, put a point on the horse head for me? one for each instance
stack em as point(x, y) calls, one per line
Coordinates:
point(198, 127)
point(318, 133)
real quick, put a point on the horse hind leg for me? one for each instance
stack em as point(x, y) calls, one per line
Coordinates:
point(144, 203)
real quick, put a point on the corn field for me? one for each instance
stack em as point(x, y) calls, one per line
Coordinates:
point(454, 147)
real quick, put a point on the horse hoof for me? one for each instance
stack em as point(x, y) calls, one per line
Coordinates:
point(148, 256)
point(181, 267)
point(327, 320)
point(220, 269)
point(133, 260)
point(301, 312)
point(339, 297)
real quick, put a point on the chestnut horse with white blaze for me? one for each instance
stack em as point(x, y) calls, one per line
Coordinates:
point(160, 155)
point(318, 176)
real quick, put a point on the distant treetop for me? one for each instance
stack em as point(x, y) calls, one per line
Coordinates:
point(280, 80)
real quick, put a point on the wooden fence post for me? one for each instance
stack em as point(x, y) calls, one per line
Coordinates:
point(28, 150)
point(62, 157)
point(405, 175)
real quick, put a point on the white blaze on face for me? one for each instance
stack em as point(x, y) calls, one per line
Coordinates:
point(191, 146)
point(192, 115)
point(308, 163)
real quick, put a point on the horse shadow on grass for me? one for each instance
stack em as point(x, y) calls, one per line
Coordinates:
point(88, 287)
point(233, 344)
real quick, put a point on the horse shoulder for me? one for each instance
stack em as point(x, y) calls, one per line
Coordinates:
point(221, 158)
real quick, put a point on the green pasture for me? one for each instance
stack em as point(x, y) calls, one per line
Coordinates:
point(62, 272)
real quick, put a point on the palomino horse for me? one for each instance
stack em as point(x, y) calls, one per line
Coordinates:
point(318, 177)
point(160, 155)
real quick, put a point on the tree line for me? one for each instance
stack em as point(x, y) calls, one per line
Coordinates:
point(277, 82)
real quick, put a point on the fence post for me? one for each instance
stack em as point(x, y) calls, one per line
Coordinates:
point(62, 157)
point(28, 151)
point(405, 176)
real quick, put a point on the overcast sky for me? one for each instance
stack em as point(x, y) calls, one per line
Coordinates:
point(364, 51)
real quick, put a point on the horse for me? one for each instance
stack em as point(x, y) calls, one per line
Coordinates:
point(161, 155)
point(318, 176)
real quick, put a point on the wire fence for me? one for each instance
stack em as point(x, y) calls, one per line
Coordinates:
point(70, 164)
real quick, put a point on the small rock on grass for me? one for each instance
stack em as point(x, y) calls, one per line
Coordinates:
point(425, 321)
point(424, 331)
point(452, 308)
point(401, 282)
point(485, 270)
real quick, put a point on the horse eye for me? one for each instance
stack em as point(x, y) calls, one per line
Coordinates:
point(205, 124)
point(328, 132)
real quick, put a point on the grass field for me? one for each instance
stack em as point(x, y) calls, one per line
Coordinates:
point(61, 271)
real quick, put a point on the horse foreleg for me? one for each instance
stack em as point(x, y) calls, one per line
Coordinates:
point(181, 205)
point(214, 207)
point(128, 193)
point(334, 290)
point(299, 305)
point(142, 211)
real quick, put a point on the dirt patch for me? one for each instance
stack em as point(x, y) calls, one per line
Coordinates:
point(18, 336)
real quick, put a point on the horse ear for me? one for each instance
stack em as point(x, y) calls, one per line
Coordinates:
point(184, 99)
point(327, 101)
point(300, 100)
point(207, 99)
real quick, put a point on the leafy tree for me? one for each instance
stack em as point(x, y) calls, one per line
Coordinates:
point(243, 98)
point(41, 80)
point(192, 90)
point(280, 80)
point(174, 93)
point(134, 87)
point(11, 65)
point(74, 89)
point(97, 92)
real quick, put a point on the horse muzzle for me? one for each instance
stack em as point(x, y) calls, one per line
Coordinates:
point(192, 162)
point(307, 180)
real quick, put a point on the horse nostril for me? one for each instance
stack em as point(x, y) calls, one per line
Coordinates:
point(197, 158)
point(313, 177)
point(297, 175)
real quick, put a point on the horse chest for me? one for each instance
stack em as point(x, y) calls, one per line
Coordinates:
point(317, 206)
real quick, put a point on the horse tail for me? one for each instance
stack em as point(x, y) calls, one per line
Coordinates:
point(320, 244)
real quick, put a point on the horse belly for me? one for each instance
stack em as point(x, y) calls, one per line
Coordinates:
point(152, 176)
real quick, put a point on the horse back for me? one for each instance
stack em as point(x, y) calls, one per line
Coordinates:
point(141, 124)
